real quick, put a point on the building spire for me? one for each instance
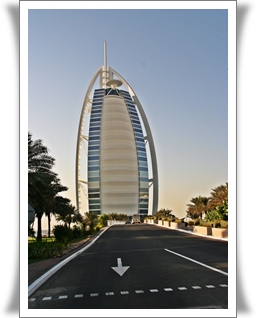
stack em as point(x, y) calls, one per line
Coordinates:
point(104, 69)
point(105, 56)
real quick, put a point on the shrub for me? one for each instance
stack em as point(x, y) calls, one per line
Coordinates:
point(41, 250)
point(62, 234)
point(76, 232)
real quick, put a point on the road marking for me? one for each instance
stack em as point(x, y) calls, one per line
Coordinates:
point(63, 297)
point(126, 292)
point(199, 263)
point(120, 269)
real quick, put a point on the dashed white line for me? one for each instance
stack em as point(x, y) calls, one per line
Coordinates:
point(63, 297)
point(126, 292)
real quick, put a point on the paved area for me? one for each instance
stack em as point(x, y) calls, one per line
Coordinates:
point(37, 269)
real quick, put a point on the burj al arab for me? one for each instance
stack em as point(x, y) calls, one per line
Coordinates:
point(121, 158)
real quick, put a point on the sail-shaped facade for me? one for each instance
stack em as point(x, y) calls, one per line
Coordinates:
point(118, 165)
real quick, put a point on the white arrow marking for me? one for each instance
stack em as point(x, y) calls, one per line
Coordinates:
point(120, 269)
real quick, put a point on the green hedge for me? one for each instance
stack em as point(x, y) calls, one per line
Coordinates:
point(41, 250)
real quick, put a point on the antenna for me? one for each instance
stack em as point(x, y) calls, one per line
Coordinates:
point(104, 72)
point(105, 56)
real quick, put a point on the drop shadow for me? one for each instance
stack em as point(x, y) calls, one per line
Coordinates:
point(242, 304)
point(14, 302)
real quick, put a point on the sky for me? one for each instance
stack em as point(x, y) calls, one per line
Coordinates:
point(176, 61)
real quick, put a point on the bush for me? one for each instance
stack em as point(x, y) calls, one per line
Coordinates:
point(42, 250)
point(76, 232)
point(62, 234)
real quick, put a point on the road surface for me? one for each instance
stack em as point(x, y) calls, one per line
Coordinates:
point(141, 267)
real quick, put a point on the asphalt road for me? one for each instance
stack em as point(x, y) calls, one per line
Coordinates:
point(154, 268)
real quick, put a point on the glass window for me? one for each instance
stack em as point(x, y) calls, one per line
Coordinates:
point(143, 149)
point(143, 185)
point(93, 168)
point(94, 128)
point(142, 158)
point(143, 212)
point(94, 143)
point(143, 206)
point(143, 169)
point(143, 163)
point(93, 158)
point(140, 140)
point(93, 153)
point(93, 163)
point(144, 191)
point(94, 195)
point(94, 147)
point(142, 154)
point(94, 201)
point(136, 121)
point(138, 130)
point(90, 190)
point(97, 124)
point(94, 138)
point(93, 179)
point(94, 174)
point(94, 207)
point(141, 179)
point(144, 174)
point(94, 119)
point(94, 133)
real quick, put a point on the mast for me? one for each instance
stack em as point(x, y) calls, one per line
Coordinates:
point(104, 74)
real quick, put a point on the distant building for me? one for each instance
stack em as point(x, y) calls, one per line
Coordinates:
point(118, 165)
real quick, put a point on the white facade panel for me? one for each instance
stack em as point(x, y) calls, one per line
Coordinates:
point(119, 183)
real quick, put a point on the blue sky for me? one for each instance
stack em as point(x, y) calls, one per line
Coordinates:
point(177, 63)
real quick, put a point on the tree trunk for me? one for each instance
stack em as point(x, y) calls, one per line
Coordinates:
point(39, 226)
point(49, 225)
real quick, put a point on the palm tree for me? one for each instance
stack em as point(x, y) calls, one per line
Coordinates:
point(91, 219)
point(198, 207)
point(68, 214)
point(53, 200)
point(218, 196)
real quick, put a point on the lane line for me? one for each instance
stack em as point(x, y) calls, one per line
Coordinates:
point(126, 292)
point(199, 263)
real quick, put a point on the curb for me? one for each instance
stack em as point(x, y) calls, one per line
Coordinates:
point(38, 282)
point(190, 232)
